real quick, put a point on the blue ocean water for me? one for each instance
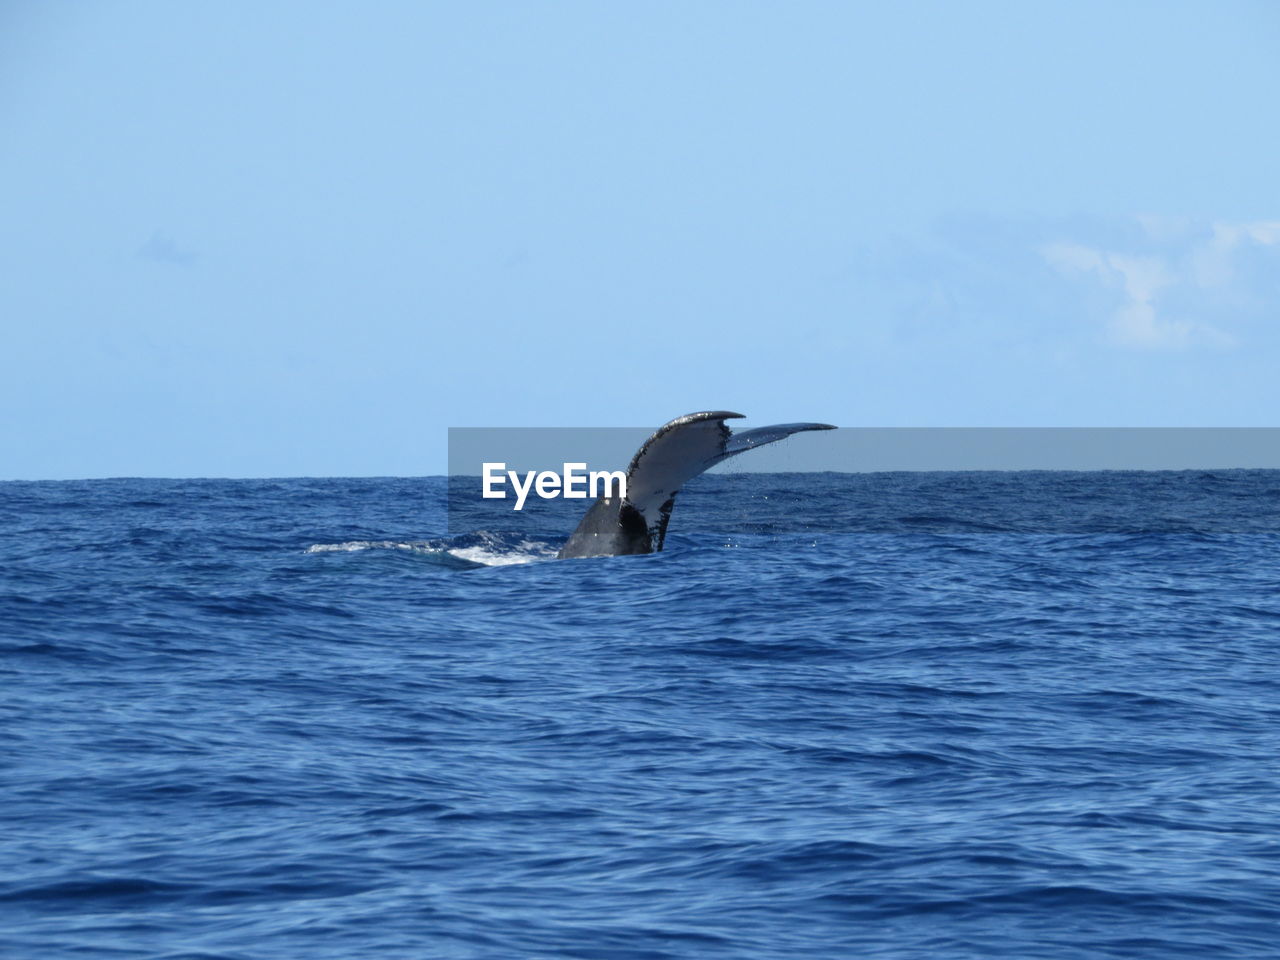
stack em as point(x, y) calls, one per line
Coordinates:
point(942, 716)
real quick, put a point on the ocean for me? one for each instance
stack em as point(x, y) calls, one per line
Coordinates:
point(1022, 715)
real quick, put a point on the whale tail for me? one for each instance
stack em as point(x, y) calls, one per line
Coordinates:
point(676, 453)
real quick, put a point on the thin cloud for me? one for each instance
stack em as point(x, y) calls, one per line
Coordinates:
point(162, 249)
point(1212, 260)
point(1150, 285)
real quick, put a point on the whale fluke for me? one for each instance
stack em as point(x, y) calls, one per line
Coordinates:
point(676, 453)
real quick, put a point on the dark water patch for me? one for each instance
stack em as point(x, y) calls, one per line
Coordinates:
point(96, 893)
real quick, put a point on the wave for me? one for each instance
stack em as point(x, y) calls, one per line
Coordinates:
point(480, 549)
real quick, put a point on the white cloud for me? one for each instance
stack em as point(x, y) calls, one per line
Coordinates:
point(1211, 259)
point(1135, 324)
point(1148, 284)
point(1140, 279)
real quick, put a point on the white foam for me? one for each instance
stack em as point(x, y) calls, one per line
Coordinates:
point(491, 553)
point(353, 545)
point(527, 551)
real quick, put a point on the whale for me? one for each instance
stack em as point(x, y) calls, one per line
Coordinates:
point(677, 452)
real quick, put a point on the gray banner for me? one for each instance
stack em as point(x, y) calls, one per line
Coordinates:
point(1035, 480)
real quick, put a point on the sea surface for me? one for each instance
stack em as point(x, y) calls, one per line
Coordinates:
point(840, 716)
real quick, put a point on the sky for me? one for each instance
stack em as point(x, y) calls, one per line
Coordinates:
point(305, 239)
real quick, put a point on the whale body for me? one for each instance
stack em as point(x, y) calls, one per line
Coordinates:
point(676, 453)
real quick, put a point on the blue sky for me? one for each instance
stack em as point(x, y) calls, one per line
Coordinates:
point(292, 238)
